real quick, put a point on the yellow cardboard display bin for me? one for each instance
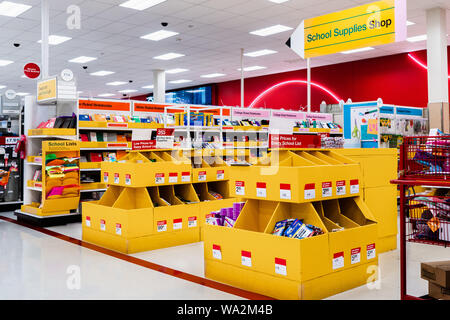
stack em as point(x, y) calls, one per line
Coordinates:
point(298, 177)
point(208, 168)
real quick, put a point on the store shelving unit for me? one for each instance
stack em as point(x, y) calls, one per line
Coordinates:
point(424, 161)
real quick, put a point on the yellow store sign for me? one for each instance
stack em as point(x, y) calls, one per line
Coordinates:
point(373, 24)
point(46, 91)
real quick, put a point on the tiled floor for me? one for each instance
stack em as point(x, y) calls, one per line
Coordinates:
point(36, 266)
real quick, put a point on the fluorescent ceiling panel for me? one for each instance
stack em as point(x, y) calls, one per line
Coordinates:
point(55, 40)
point(116, 83)
point(12, 9)
point(169, 56)
point(141, 4)
point(253, 68)
point(159, 35)
point(82, 59)
point(259, 53)
point(175, 71)
point(101, 73)
point(358, 50)
point(422, 37)
point(271, 30)
point(180, 81)
point(5, 62)
point(213, 75)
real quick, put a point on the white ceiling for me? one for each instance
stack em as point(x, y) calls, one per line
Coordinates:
point(211, 33)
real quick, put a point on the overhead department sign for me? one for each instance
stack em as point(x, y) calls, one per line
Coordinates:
point(372, 24)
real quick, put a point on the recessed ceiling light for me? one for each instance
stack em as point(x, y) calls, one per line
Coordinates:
point(253, 68)
point(82, 59)
point(159, 35)
point(278, 1)
point(422, 37)
point(410, 23)
point(140, 4)
point(357, 50)
point(55, 40)
point(169, 56)
point(106, 95)
point(127, 91)
point(2, 87)
point(116, 83)
point(259, 53)
point(271, 30)
point(22, 94)
point(174, 71)
point(213, 75)
point(148, 87)
point(5, 62)
point(102, 73)
point(180, 81)
point(12, 9)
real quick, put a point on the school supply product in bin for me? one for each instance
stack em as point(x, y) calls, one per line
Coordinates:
point(216, 195)
point(295, 228)
point(225, 217)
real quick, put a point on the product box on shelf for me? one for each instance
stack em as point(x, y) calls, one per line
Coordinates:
point(146, 169)
point(437, 292)
point(304, 176)
point(436, 272)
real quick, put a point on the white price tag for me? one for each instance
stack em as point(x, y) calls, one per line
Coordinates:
point(310, 191)
point(220, 174)
point(118, 229)
point(246, 258)
point(185, 176)
point(177, 224)
point(285, 191)
point(202, 176)
point(159, 178)
point(327, 189)
point(102, 225)
point(338, 260)
point(340, 188)
point(356, 255)
point(128, 179)
point(161, 226)
point(105, 177)
point(371, 253)
point(354, 186)
point(280, 266)
point(173, 177)
point(217, 254)
point(261, 190)
point(116, 178)
point(240, 188)
point(88, 221)
point(192, 222)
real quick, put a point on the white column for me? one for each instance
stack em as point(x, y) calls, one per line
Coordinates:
point(45, 17)
point(159, 86)
point(242, 77)
point(437, 55)
point(438, 97)
point(308, 66)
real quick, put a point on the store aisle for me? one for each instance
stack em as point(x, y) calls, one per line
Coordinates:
point(37, 266)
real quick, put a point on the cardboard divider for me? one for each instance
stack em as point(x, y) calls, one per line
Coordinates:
point(256, 215)
point(110, 196)
point(202, 192)
point(332, 211)
point(133, 198)
point(350, 209)
point(326, 158)
point(186, 192)
point(221, 187)
point(314, 160)
point(168, 194)
point(155, 198)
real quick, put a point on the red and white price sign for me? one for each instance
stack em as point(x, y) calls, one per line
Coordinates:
point(285, 191)
point(261, 190)
point(116, 125)
point(240, 188)
point(310, 191)
point(185, 177)
point(161, 226)
point(217, 253)
point(128, 179)
point(32, 70)
point(246, 258)
point(102, 225)
point(164, 138)
point(371, 253)
point(355, 256)
point(327, 189)
point(159, 178)
point(220, 174)
point(118, 229)
point(105, 177)
point(208, 218)
point(338, 260)
point(173, 177)
point(280, 266)
point(340, 188)
point(354, 186)
point(177, 224)
point(192, 222)
point(88, 221)
point(116, 178)
point(202, 176)
point(143, 145)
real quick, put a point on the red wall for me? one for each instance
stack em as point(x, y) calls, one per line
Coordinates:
point(396, 79)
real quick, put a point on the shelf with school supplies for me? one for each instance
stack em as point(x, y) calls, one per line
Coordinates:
point(58, 180)
point(88, 145)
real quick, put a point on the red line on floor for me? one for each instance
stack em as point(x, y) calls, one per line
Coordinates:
point(146, 264)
